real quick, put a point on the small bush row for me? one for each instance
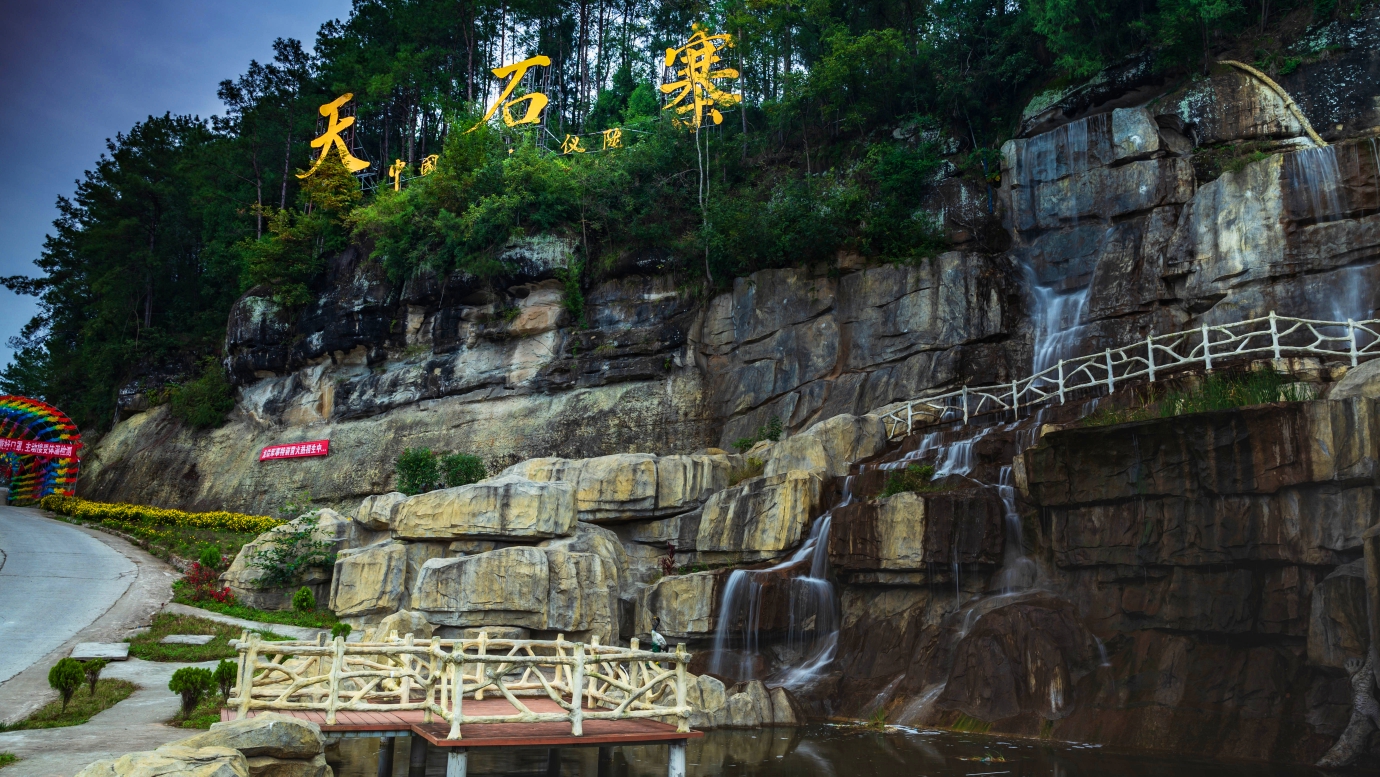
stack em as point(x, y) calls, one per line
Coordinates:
point(421, 470)
point(143, 515)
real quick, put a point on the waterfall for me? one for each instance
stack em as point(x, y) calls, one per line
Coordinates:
point(1058, 319)
point(1017, 572)
point(1315, 184)
point(812, 632)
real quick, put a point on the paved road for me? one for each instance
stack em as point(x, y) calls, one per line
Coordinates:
point(54, 581)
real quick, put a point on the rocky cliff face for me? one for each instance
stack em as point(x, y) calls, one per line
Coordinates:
point(1192, 583)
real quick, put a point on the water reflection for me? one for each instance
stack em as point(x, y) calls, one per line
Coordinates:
point(824, 751)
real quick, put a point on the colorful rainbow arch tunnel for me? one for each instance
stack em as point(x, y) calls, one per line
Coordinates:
point(32, 477)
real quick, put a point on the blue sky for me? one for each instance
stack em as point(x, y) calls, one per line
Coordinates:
point(75, 73)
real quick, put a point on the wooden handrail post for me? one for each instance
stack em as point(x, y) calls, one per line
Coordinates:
point(1111, 380)
point(1351, 333)
point(247, 659)
point(682, 658)
point(405, 689)
point(337, 663)
point(577, 685)
point(1274, 335)
point(1207, 350)
point(457, 679)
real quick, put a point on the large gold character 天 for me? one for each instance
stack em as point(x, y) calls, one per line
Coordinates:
point(331, 137)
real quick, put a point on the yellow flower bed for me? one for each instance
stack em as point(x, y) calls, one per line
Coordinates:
point(157, 516)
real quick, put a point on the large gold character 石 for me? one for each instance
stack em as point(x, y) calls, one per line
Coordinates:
point(514, 74)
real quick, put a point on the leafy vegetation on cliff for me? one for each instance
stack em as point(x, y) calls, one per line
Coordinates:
point(851, 112)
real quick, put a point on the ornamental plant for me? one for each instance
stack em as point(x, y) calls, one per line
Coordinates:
point(225, 676)
point(191, 683)
point(341, 630)
point(462, 469)
point(203, 584)
point(304, 600)
point(66, 677)
point(145, 516)
point(92, 668)
point(417, 471)
point(287, 553)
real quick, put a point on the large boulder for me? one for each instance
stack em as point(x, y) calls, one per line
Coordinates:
point(173, 761)
point(402, 622)
point(508, 587)
point(376, 512)
point(508, 506)
point(829, 447)
point(266, 734)
point(369, 580)
point(684, 603)
point(1337, 626)
point(247, 580)
point(634, 486)
point(571, 585)
point(760, 517)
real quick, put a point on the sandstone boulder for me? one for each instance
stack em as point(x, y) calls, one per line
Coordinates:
point(750, 707)
point(172, 761)
point(1362, 380)
point(508, 587)
point(246, 580)
point(369, 580)
point(760, 517)
point(685, 604)
point(631, 486)
point(706, 696)
point(829, 447)
point(265, 734)
point(268, 766)
point(376, 512)
point(507, 507)
point(402, 623)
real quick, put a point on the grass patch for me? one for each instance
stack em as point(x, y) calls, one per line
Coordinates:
point(148, 647)
point(970, 724)
point(204, 716)
point(1224, 392)
point(83, 706)
point(917, 478)
point(7, 758)
point(316, 619)
point(751, 469)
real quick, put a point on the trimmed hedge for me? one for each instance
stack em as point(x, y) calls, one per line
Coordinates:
point(143, 515)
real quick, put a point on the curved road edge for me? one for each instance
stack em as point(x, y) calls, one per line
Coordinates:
point(150, 590)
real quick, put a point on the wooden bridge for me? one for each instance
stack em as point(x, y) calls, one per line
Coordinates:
point(540, 693)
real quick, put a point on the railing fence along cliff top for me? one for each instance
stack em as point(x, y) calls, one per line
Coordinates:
point(1274, 335)
point(587, 681)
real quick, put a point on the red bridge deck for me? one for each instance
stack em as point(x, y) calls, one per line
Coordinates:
point(596, 732)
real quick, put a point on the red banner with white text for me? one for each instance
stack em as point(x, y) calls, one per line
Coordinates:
point(52, 450)
point(296, 450)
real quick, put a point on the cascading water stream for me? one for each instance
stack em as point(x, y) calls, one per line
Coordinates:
point(1017, 572)
point(812, 632)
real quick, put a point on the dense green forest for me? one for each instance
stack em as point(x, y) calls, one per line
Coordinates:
point(849, 110)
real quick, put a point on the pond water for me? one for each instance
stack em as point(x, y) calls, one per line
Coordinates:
point(826, 751)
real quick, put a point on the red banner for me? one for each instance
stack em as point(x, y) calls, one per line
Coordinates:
point(49, 450)
point(296, 450)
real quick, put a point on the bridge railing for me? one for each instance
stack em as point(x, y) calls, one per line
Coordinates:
point(1156, 355)
point(587, 681)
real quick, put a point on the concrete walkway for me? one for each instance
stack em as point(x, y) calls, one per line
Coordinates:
point(54, 581)
point(137, 723)
point(144, 592)
point(296, 632)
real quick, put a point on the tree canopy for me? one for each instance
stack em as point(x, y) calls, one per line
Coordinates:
point(850, 110)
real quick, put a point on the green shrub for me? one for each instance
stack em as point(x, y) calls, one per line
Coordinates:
point(226, 674)
point(92, 668)
point(341, 630)
point(770, 431)
point(203, 403)
point(751, 469)
point(914, 478)
point(66, 677)
point(303, 600)
point(462, 469)
point(417, 471)
point(209, 557)
point(290, 551)
point(191, 683)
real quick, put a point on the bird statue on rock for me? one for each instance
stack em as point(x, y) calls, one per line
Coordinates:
point(658, 641)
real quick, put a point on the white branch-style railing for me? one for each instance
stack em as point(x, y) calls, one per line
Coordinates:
point(587, 681)
point(1156, 355)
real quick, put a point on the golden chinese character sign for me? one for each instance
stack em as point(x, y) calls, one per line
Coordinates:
point(696, 92)
point(536, 100)
point(571, 145)
point(613, 138)
point(330, 139)
point(395, 172)
point(429, 163)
